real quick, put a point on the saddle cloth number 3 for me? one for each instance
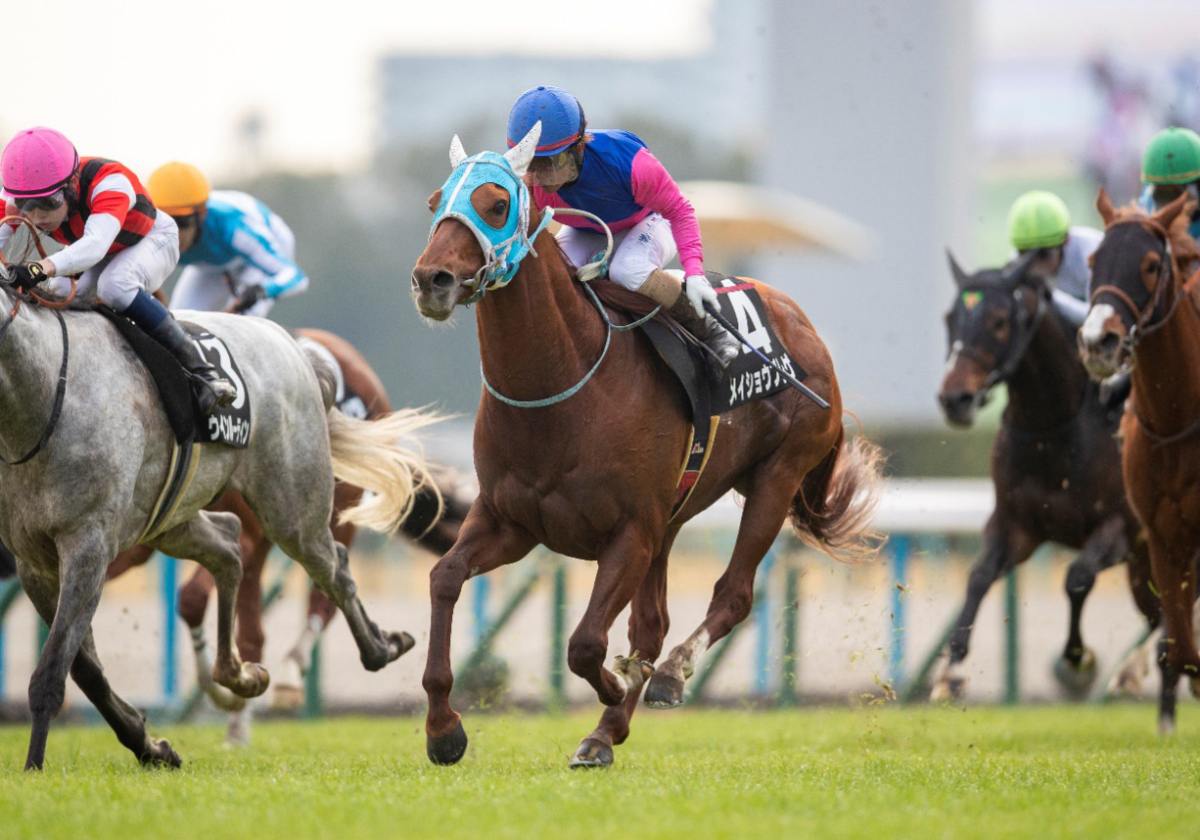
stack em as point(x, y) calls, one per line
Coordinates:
point(218, 355)
point(748, 322)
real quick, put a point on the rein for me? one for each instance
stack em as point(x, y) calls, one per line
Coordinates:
point(59, 392)
point(585, 274)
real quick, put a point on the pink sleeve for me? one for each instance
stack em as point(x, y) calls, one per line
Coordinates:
point(654, 188)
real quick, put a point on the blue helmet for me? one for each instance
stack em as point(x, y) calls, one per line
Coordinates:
point(560, 113)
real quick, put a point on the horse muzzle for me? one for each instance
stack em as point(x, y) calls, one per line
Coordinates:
point(959, 407)
point(435, 292)
point(1104, 345)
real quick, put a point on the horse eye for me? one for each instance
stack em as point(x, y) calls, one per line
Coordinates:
point(500, 208)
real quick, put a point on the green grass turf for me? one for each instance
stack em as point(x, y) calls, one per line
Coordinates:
point(872, 772)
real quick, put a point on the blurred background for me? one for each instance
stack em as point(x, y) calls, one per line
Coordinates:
point(883, 133)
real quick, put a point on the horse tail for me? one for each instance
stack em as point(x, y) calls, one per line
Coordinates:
point(833, 508)
point(385, 459)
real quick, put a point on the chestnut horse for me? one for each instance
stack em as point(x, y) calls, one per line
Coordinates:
point(433, 524)
point(1055, 465)
point(592, 473)
point(1145, 318)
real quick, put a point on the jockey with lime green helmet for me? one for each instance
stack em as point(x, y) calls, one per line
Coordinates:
point(1170, 167)
point(1039, 221)
point(114, 238)
point(611, 173)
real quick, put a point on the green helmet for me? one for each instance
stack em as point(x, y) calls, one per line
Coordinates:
point(1173, 157)
point(1038, 219)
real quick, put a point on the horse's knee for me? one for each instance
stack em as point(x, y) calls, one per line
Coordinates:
point(585, 656)
point(446, 579)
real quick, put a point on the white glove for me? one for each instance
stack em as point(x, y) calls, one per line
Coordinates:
point(699, 292)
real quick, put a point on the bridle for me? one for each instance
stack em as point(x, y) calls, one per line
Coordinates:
point(56, 306)
point(1141, 317)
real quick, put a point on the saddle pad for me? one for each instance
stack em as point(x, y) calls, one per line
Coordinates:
point(749, 378)
point(228, 424)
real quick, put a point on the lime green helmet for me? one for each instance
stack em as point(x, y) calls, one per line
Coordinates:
point(1038, 219)
point(1173, 157)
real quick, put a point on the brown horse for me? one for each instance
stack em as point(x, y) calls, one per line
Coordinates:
point(1055, 465)
point(1145, 317)
point(433, 524)
point(593, 476)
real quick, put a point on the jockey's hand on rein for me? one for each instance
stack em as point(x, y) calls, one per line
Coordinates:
point(249, 296)
point(27, 275)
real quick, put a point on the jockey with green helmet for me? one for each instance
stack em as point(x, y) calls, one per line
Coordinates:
point(611, 174)
point(1170, 167)
point(1039, 221)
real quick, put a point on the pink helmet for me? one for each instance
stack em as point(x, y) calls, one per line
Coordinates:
point(36, 162)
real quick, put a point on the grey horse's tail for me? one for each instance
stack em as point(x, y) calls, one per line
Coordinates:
point(382, 456)
point(832, 512)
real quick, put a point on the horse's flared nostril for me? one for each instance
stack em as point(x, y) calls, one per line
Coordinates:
point(1109, 343)
point(443, 280)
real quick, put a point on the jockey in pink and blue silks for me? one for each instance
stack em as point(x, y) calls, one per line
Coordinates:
point(611, 174)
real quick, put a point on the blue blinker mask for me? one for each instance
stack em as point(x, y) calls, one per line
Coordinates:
point(503, 248)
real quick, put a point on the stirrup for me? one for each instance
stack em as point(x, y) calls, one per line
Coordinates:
point(212, 391)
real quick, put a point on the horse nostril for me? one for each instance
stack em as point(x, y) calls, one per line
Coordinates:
point(416, 286)
point(1109, 343)
point(443, 280)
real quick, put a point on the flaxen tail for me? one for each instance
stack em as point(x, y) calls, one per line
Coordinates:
point(833, 510)
point(384, 458)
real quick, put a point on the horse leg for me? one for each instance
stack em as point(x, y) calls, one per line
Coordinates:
point(1075, 670)
point(211, 539)
point(621, 568)
point(1174, 577)
point(68, 608)
point(767, 502)
point(1004, 549)
point(289, 686)
point(648, 625)
point(193, 603)
point(1136, 665)
point(128, 559)
point(485, 543)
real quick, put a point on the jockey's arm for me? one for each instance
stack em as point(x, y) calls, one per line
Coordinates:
point(276, 275)
point(110, 202)
point(653, 187)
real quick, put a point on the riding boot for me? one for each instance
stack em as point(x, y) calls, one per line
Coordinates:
point(712, 335)
point(209, 388)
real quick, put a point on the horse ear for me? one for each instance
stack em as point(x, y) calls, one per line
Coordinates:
point(960, 276)
point(457, 153)
point(520, 155)
point(1168, 214)
point(1104, 207)
point(435, 200)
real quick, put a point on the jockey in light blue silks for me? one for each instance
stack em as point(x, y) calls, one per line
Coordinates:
point(237, 254)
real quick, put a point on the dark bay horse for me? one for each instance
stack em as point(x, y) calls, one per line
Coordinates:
point(593, 475)
point(1055, 465)
point(438, 512)
point(1145, 317)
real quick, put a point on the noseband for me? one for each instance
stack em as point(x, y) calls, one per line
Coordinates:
point(1142, 325)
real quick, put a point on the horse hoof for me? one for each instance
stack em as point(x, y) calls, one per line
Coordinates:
point(591, 753)
point(160, 754)
point(948, 689)
point(252, 682)
point(1166, 726)
point(664, 692)
point(1076, 680)
point(1194, 682)
point(287, 698)
point(447, 749)
point(400, 643)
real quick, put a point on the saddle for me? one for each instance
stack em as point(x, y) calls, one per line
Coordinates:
point(746, 379)
point(229, 425)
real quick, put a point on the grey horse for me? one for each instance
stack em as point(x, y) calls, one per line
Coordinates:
point(88, 491)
